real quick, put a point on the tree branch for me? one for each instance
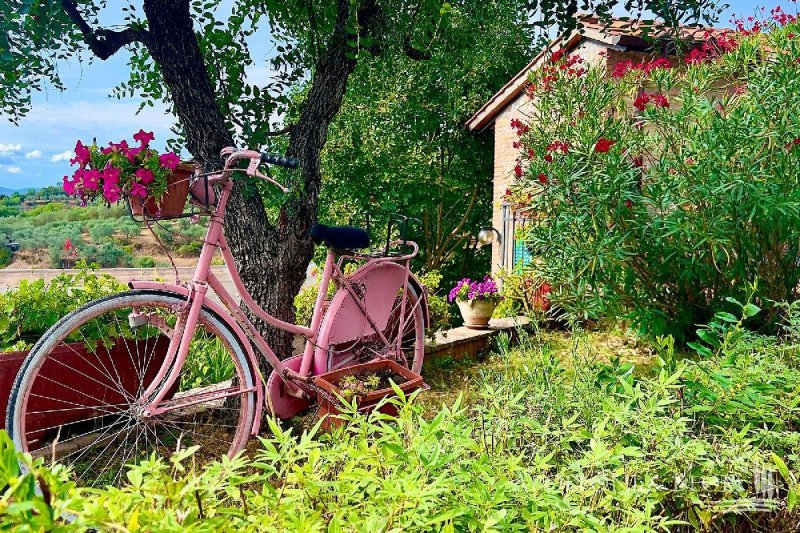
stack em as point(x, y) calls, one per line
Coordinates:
point(282, 131)
point(103, 42)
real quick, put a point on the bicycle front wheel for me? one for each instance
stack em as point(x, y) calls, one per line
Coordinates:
point(80, 397)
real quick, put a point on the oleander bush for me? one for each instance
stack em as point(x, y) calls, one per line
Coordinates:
point(544, 444)
point(666, 187)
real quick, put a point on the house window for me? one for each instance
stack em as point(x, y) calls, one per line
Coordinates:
point(514, 253)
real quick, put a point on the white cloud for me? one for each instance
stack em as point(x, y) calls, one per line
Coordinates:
point(100, 115)
point(14, 170)
point(34, 154)
point(63, 156)
point(9, 149)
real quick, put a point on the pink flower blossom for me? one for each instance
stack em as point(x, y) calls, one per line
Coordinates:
point(169, 160)
point(144, 137)
point(112, 192)
point(82, 155)
point(110, 175)
point(69, 186)
point(91, 180)
point(137, 189)
point(133, 152)
point(145, 176)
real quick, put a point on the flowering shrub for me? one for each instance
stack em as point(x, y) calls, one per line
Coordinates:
point(120, 169)
point(466, 290)
point(675, 182)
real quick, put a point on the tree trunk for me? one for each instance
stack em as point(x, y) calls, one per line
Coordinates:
point(272, 258)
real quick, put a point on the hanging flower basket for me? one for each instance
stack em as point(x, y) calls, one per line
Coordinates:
point(155, 184)
point(171, 203)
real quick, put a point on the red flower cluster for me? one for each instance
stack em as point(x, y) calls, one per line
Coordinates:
point(659, 100)
point(742, 26)
point(555, 147)
point(711, 49)
point(518, 170)
point(603, 145)
point(558, 146)
point(518, 126)
point(782, 18)
point(623, 67)
point(752, 26)
point(794, 142)
point(570, 67)
point(542, 178)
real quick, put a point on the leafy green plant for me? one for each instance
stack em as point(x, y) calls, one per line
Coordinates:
point(441, 316)
point(663, 189)
point(29, 310)
point(208, 363)
point(524, 293)
point(144, 262)
point(36, 500)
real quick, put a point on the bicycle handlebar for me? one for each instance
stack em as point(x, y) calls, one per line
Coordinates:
point(231, 155)
point(280, 160)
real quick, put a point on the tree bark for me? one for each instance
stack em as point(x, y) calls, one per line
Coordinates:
point(272, 258)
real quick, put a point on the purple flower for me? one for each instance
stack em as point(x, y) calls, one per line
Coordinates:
point(466, 290)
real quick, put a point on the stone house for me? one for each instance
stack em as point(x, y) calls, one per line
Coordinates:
point(601, 43)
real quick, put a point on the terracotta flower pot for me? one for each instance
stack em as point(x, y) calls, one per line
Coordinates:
point(477, 313)
point(173, 201)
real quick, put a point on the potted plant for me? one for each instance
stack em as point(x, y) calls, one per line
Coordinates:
point(366, 384)
point(476, 301)
point(157, 185)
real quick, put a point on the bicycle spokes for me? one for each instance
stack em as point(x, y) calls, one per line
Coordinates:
point(85, 401)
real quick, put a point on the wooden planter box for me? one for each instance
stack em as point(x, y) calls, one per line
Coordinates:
point(83, 376)
point(330, 407)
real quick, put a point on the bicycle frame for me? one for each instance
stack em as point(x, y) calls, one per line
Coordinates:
point(196, 292)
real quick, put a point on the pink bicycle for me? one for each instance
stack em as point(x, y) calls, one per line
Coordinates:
point(116, 380)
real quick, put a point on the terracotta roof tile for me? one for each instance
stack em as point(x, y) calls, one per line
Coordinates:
point(613, 32)
point(634, 28)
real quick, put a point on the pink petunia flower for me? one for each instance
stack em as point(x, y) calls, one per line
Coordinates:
point(82, 155)
point(169, 160)
point(137, 189)
point(111, 192)
point(145, 176)
point(111, 175)
point(91, 180)
point(69, 186)
point(144, 137)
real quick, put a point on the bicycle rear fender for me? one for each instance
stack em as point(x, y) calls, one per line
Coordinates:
point(223, 315)
point(378, 284)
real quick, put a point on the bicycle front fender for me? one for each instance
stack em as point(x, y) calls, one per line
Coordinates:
point(224, 316)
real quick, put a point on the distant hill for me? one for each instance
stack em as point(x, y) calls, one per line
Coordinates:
point(8, 192)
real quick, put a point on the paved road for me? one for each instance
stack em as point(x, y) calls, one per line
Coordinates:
point(10, 277)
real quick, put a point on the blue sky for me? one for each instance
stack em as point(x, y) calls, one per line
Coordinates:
point(37, 152)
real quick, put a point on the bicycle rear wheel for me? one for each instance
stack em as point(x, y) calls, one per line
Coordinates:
point(79, 398)
point(401, 341)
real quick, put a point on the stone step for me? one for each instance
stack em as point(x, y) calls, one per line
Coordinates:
point(463, 342)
